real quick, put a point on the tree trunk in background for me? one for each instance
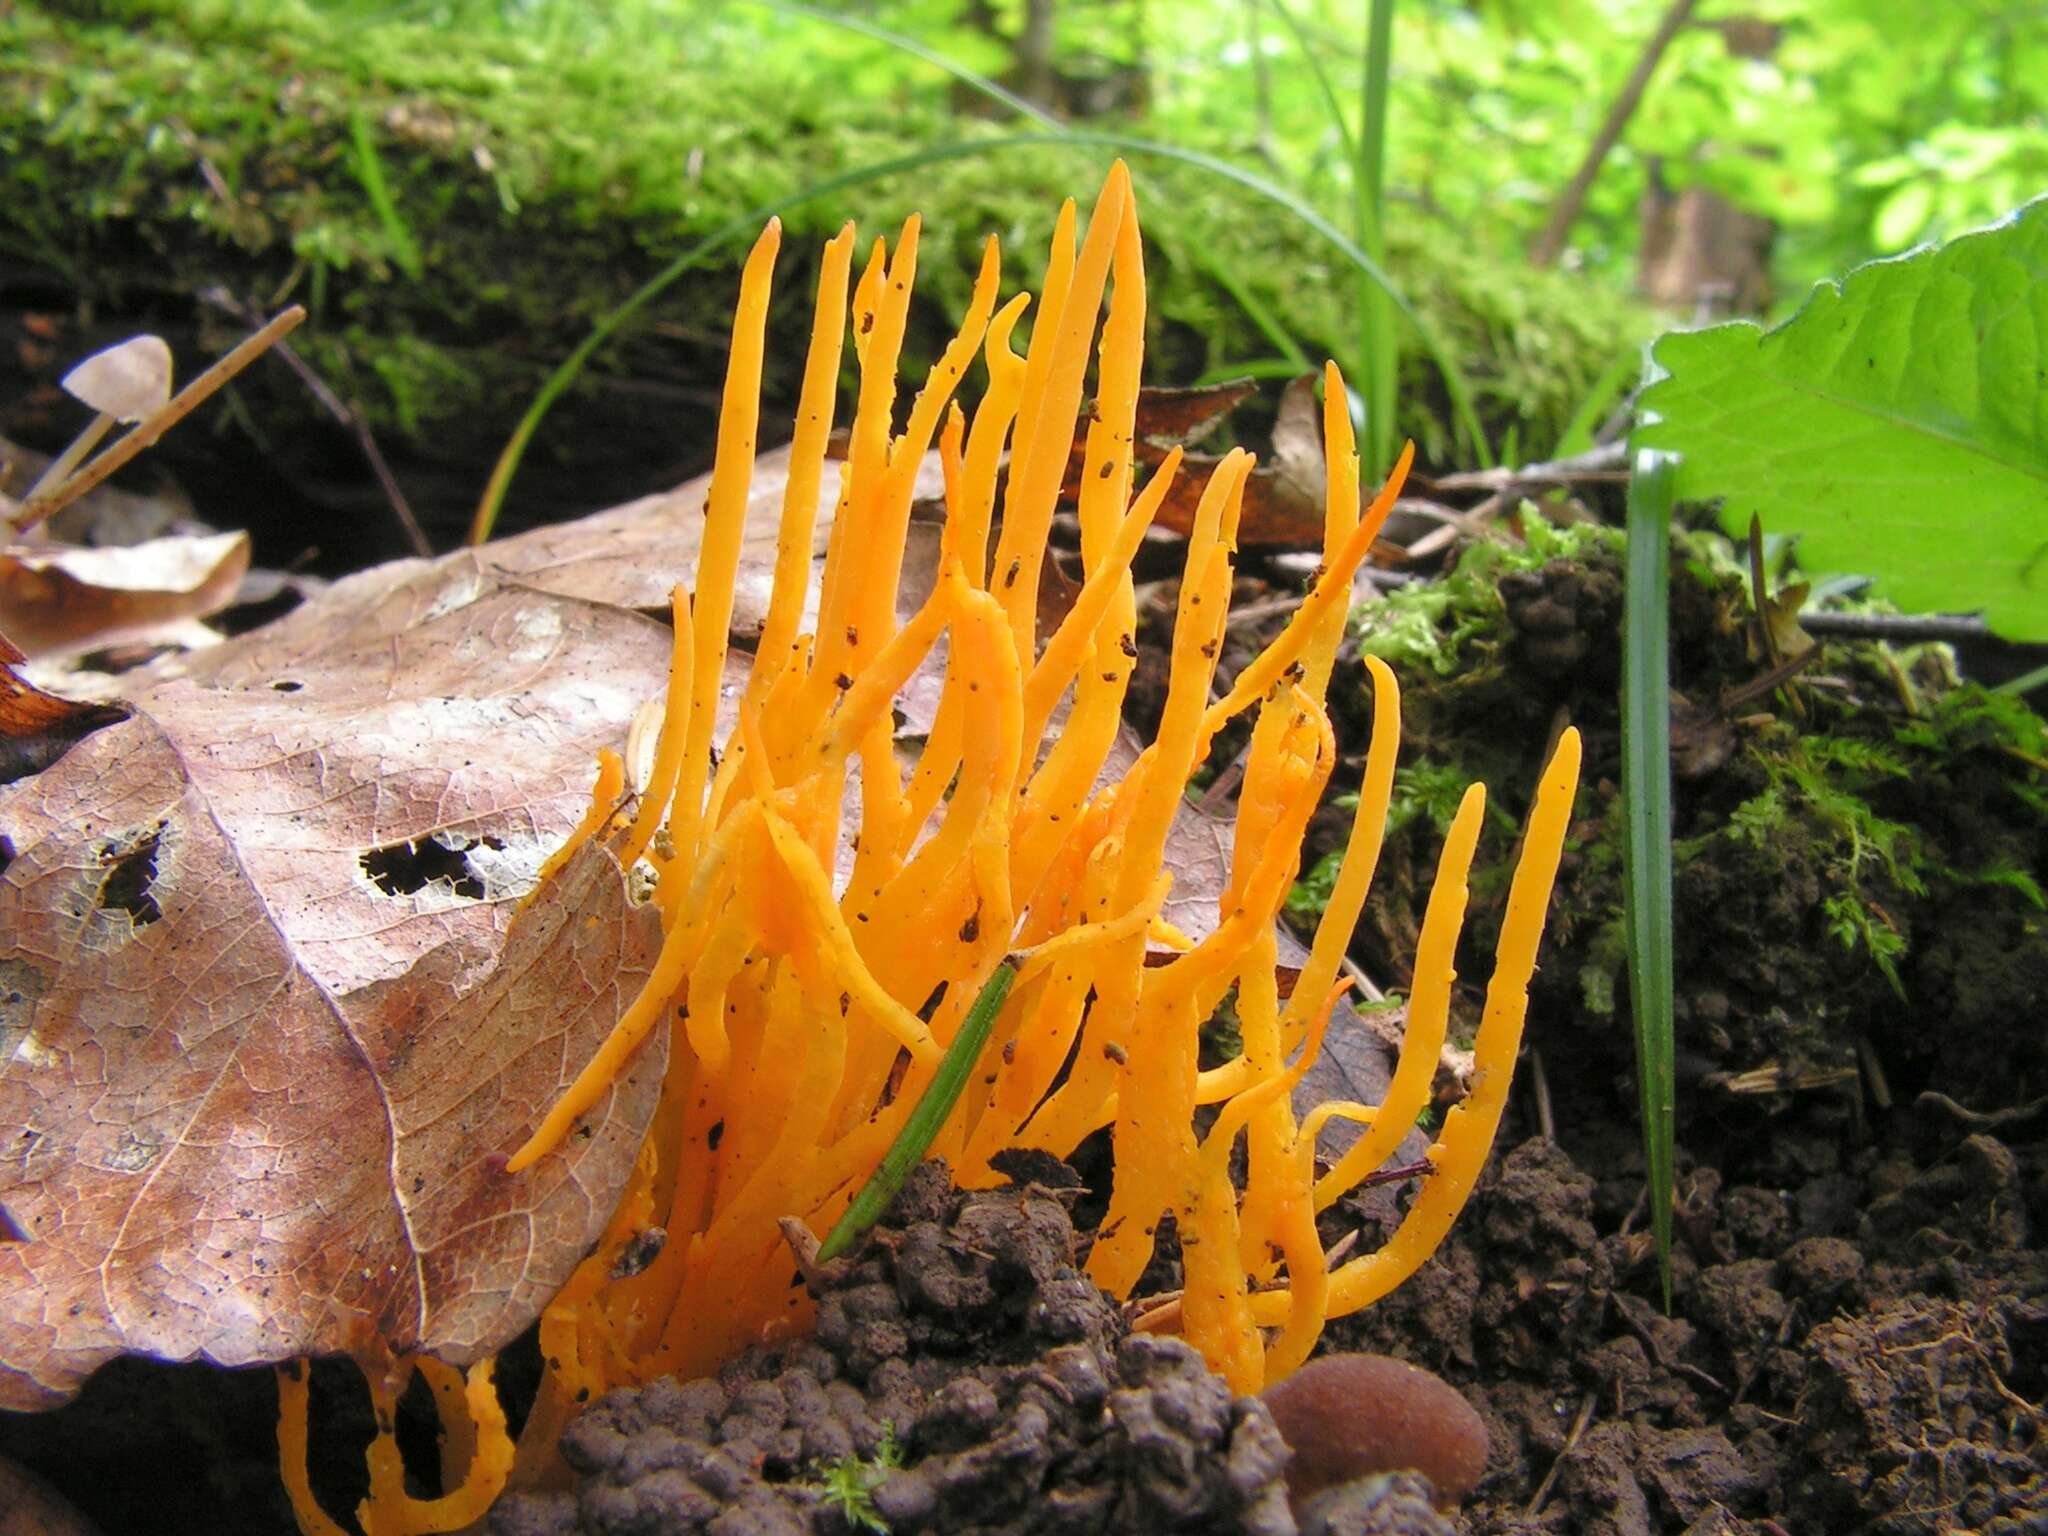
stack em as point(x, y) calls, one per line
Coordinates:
point(1565, 211)
point(1697, 249)
point(1034, 77)
point(1700, 251)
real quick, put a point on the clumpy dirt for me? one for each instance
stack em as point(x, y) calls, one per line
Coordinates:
point(964, 1379)
point(1859, 1349)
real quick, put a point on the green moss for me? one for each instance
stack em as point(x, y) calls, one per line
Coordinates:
point(1863, 865)
point(486, 194)
point(849, 1483)
point(1457, 625)
point(1815, 797)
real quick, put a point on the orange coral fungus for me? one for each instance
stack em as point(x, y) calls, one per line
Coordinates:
point(810, 989)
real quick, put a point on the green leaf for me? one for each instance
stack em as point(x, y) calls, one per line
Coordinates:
point(1898, 424)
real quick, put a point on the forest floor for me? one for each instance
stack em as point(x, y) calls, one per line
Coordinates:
point(1857, 1331)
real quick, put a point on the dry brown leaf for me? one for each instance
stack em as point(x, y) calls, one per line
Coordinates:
point(221, 1157)
point(261, 1056)
point(634, 554)
point(1290, 508)
point(63, 598)
point(26, 711)
point(37, 728)
point(1189, 414)
point(267, 1022)
point(1283, 499)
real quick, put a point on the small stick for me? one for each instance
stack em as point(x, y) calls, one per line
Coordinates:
point(803, 1245)
point(1539, 1084)
point(1873, 1072)
point(1733, 699)
point(346, 413)
point(1897, 627)
point(145, 433)
point(1367, 987)
point(1460, 525)
point(1609, 461)
point(1216, 798)
point(1571, 1443)
point(1399, 1173)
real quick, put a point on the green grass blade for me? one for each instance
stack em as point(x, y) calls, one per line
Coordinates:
point(1312, 56)
point(904, 44)
point(2026, 682)
point(369, 169)
point(493, 498)
point(925, 1121)
point(1165, 228)
point(1456, 386)
point(1646, 812)
point(1377, 342)
point(1455, 383)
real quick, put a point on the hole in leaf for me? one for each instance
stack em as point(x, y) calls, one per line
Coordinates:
point(286, 685)
point(402, 869)
point(126, 885)
point(6, 854)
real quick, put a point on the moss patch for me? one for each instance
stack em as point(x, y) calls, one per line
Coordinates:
point(458, 203)
point(1865, 870)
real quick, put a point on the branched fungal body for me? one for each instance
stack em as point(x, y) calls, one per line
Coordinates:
point(808, 1014)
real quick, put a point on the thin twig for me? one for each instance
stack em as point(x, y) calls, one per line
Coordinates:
point(1900, 628)
point(146, 432)
point(1539, 1084)
point(345, 413)
point(1264, 608)
point(1369, 988)
point(1461, 525)
point(1733, 699)
point(1399, 1173)
point(1873, 1072)
point(1989, 1120)
point(1216, 798)
point(1608, 462)
point(1571, 1443)
point(1656, 1350)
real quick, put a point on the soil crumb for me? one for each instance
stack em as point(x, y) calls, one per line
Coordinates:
point(965, 1378)
point(1860, 1347)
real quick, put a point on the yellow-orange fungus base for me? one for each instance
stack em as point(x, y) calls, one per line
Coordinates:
point(816, 964)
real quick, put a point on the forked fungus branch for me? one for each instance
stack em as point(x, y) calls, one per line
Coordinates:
point(802, 1027)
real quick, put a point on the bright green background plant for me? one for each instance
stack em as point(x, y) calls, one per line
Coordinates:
point(1898, 425)
point(534, 161)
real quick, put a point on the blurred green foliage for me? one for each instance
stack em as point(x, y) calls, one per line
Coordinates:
point(460, 188)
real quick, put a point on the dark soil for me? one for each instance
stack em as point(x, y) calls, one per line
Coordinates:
point(1857, 1338)
point(965, 1378)
point(1858, 1344)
